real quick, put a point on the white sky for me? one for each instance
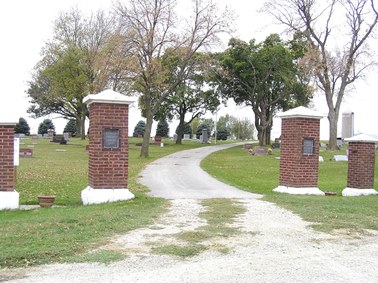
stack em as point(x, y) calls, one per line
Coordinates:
point(26, 25)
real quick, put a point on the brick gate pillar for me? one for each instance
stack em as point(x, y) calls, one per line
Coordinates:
point(299, 158)
point(108, 148)
point(361, 166)
point(9, 198)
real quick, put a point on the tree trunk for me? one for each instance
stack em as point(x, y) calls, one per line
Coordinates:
point(267, 135)
point(82, 125)
point(333, 119)
point(180, 130)
point(147, 136)
point(78, 126)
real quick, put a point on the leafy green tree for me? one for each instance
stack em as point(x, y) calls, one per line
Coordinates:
point(266, 77)
point(162, 128)
point(242, 129)
point(70, 127)
point(192, 95)
point(45, 125)
point(224, 121)
point(71, 67)
point(22, 127)
point(139, 129)
point(223, 133)
point(194, 124)
point(187, 130)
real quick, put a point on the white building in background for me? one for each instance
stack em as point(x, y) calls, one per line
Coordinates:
point(347, 126)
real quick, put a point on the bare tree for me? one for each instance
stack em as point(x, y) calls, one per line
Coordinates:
point(152, 27)
point(337, 32)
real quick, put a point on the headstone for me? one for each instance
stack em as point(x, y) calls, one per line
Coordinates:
point(248, 146)
point(339, 143)
point(276, 145)
point(26, 152)
point(50, 133)
point(66, 136)
point(205, 137)
point(339, 158)
point(157, 139)
point(194, 137)
point(201, 139)
point(321, 159)
point(260, 150)
point(186, 136)
point(175, 137)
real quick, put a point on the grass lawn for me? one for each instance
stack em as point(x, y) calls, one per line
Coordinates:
point(66, 233)
point(260, 174)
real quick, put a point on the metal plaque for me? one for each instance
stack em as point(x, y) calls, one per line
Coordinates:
point(308, 146)
point(111, 138)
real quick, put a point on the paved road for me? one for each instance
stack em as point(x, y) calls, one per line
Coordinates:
point(179, 176)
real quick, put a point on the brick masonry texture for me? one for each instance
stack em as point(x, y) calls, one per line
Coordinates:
point(7, 172)
point(297, 169)
point(361, 165)
point(108, 168)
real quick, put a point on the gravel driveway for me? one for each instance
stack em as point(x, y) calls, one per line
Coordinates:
point(277, 245)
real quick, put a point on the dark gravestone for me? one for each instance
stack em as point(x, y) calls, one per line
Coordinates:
point(276, 145)
point(205, 138)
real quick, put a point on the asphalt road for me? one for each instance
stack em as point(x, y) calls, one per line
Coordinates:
point(179, 176)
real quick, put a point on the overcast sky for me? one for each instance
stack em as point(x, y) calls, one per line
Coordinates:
point(27, 24)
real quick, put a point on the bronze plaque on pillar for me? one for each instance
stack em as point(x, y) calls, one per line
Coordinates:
point(110, 138)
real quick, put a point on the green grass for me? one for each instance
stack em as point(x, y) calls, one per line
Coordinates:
point(219, 214)
point(260, 174)
point(68, 233)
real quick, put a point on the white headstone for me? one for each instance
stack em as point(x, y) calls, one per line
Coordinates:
point(339, 158)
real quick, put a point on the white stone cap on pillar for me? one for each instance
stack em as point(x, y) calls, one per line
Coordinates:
point(362, 138)
point(108, 96)
point(301, 112)
point(7, 122)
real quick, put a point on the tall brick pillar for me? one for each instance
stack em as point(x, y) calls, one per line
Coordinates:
point(108, 148)
point(299, 159)
point(9, 198)
point(361, 166)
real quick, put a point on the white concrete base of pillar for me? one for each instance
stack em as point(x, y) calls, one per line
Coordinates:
point(352, 192)
point(299, 191)
point(96, 196)
point(9, 200)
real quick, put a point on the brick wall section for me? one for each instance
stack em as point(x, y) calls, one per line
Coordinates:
point(108, 168)
point(361, 165)
point(296, 169)
point(7, 172)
